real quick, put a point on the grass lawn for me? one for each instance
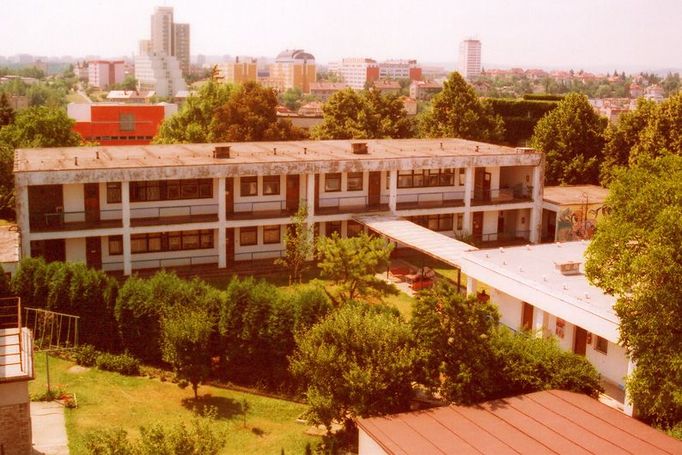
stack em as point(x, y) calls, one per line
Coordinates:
point(107, 400)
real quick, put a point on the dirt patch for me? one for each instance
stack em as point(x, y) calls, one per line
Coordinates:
point(77, 369)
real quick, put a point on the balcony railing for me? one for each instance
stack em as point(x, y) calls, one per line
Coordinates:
point(149, 216)
point(503, 237)
point(347, 204)
point(255, 255)
point(430, 200)
point(259, 209)
point(69, 221)
point(160, 263)
point(502, 196)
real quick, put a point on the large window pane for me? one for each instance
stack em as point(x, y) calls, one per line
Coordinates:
point(332, 182)
point(271, 234)
point(355, 181)
point(248, 236)
point(271, 184)
point(248, 186)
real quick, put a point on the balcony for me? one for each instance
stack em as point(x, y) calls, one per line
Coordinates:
point(260, 210)
point(181, 214)
point(502, 196)
point(74, 221)
point(348, 204)
point(430, 200)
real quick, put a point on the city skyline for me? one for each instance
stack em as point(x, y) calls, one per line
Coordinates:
point(527, 34)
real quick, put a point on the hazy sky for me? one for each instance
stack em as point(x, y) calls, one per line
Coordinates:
point(549, 33)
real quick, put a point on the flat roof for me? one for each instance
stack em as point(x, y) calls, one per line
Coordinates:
point(575, 194)
point(530, 274)
point(149, 156)
point(547, 422)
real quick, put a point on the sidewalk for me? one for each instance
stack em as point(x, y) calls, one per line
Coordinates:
point(49, 429)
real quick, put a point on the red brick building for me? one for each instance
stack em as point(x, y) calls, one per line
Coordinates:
point(119, 123)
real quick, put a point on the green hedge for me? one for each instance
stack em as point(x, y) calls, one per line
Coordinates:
point(520, 117)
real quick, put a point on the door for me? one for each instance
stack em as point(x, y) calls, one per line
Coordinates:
point(317, 193)
point(374, 189)
point(500, 222)
point(527, 316)
point(91, 195)
point(477, 229)
point(293, 192)
point(229, 246)
point(580, 341)
point(229, 195)
point(93, 252)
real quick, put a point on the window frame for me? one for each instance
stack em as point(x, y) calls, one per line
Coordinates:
point(270, 229)
point(598, 345)
point(332, 177)
point(274, 180)
point(114, 193)
point(252, 190)
point(126, 121)
point(249, 230)
point(355, 177)
point(113, 240)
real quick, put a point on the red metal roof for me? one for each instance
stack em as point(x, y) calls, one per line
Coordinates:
point(543, 422)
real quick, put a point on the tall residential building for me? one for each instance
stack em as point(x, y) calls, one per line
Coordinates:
point(144, 47)
point(293, 68)
point(168, 38)
point(400, 69)
point(239, 71)
point(103, 73)
point(356, 72)
point(470, 59)
point(159, 72)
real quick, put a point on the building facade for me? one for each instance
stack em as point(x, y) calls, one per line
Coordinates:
point(293, 69)
point(424, 90)
point(159, 73)
point(119, 123)
point(168, 38)
point(239, 71)
point(181, 45)
point(470, 59)
point(356, 72)
point(400, 69)
point(104, 73)
point(125, 209)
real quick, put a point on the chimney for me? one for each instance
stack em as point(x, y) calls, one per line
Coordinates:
point(221, 151)
point(568, 267)
point(359, 148)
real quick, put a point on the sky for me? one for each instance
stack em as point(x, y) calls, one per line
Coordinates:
point(578, 34)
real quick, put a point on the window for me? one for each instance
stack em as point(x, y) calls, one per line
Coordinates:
point(168, 190)
point(405, 179)
point(601, 345)
point(271, 234)
point(248, 236)
point(355, 181)
point(353, 228)
point(115, 245)
point(271, 184)
point(332, 182)
point(331, 227)
point(145, 191)
point(138, 243)
point(460, 221)
point(126, 122)
point(435, 222)
point(447, 177)
point(113, 192)
point(248, 186)
point(170, 241)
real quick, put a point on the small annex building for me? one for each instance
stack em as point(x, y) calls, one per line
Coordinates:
point(571, 212)
point(547, 422)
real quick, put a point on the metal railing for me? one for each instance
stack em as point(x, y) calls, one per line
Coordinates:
point(173, 211)
point(255, 255)
point(441, 199)
point(261, 208)
point(503, 236)
point(347, 204)
point(502, 195)
point(59, 219)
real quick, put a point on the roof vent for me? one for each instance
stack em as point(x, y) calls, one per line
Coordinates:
point(221, 151)
point(359, 148)
point(568, 268)
point(525, 149)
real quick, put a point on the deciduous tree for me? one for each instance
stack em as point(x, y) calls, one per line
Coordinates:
point(6, 111)
point(636, 256)
point(572, 137)
point(298, 245)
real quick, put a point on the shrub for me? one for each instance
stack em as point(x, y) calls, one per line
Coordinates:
point(86, 355)
point(122, 363)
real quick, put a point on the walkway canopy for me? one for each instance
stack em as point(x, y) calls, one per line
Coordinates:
point(407, 233)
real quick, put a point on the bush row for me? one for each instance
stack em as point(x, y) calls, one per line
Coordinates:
point(86, 355)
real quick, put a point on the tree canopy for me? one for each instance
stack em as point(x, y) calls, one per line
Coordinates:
point(457, 111)
point(349, 114)
point(572, 137)
point(635, 255)
point(40, 127)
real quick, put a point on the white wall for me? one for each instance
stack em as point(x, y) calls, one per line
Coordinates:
point(510, 176)
point(367, 445)
point(510, 308)
point(73, 197)
point(613, 365)
point(260, 201)
point(344, 198)
point(75, 250)
point(490, 225)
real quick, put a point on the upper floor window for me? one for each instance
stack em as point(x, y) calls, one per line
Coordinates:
point(355, 181)
point(248, 236)
point(168, 190)
point(126, 122)
point(248, 186)
point(426, 178)
point(271, 234)
point(332, 182)
point(113, 192)
point(271, 184)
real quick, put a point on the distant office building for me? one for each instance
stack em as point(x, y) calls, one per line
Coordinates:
point(104, 73)
point(424, 90)
point(470, 59)
point(356, 72)
point(239, 71)
point(293, 68)
point(119, 123)
point(144, 47)
point(160, 73)
point(168, 38)
point(400, 69)
point(324, 90)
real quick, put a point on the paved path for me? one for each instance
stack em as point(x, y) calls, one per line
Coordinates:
point(49, 429)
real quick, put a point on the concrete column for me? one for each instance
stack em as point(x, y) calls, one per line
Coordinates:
point(629, 407)
point(468, 194)
point(392, 191)
point(310, 196)
point(538, 322)
point(536, 211)
point(23, 219)
point(222, 219)
point(472, 284)
point(125, 216)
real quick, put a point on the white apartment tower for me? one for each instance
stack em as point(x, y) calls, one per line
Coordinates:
point(169, 38)
point(470, 59)
point(159, 72)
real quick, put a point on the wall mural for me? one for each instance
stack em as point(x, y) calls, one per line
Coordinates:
point(578, 222)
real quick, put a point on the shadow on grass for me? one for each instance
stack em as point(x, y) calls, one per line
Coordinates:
point(257, 431)
point(225, 408)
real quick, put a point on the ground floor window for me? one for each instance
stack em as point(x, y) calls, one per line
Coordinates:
point(248, 236)
point(271, 234)
point(435, 222)
point(163, 241)
point(601, 345)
